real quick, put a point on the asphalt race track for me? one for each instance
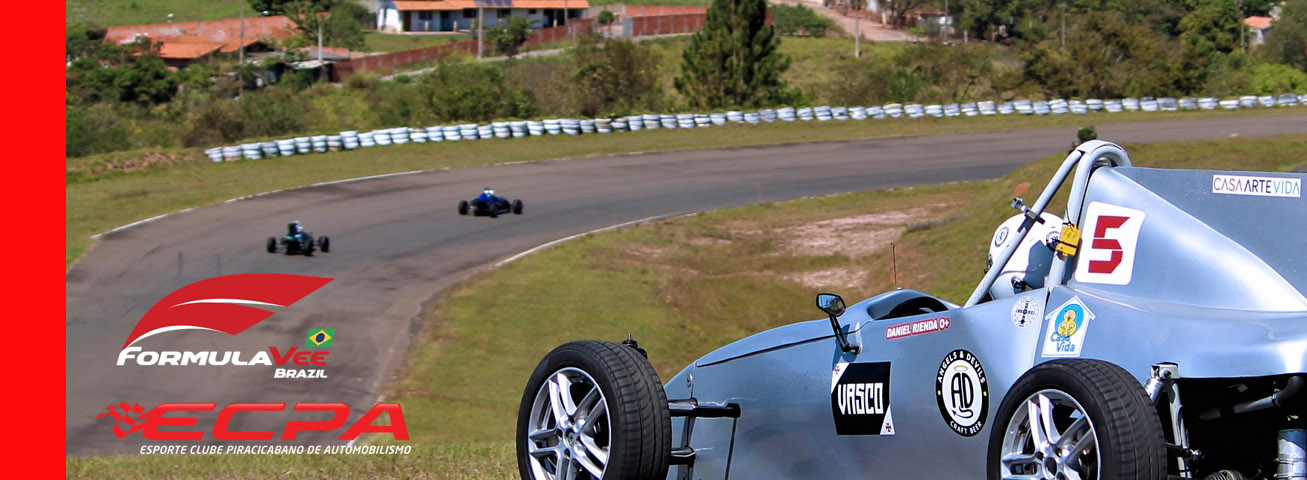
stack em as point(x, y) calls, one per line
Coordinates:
point(397, 242)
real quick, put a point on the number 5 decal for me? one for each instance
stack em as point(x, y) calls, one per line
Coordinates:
point(1108, 255)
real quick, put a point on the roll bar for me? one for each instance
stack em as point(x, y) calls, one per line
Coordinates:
point(1086, 157)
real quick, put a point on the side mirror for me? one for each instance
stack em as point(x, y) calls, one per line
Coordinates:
point(830, 303)
point(833, 306)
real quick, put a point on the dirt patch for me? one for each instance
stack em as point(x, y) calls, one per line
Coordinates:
point(97, 166)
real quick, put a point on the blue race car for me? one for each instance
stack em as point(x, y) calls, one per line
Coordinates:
point(489, 204)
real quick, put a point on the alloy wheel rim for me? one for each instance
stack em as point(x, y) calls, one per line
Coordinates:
point(1049, 437)
point(568, 429)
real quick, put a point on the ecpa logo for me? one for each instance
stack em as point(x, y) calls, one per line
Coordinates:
point(129, 419)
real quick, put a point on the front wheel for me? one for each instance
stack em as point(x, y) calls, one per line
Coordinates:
point(1077, 419)
point(517, 207)
point(325, 244)
point(272, 245)
point(593, 410)
point(462, 207)
point(307, 245)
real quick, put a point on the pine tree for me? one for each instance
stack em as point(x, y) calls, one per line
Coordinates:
point(733, 60)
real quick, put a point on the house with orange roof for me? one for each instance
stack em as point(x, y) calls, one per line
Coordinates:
point(460, 15)
point(1258, 27)
point(183, 43)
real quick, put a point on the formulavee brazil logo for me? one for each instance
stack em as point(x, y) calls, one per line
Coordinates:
point(224, 304)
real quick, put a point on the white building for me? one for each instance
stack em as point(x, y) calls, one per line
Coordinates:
point(459, 15)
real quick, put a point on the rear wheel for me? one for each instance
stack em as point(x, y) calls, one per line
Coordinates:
point(325, 244)
point(517, 207)
point(593, 410)
point(272, 245)
point(1077, 419)
point(462, 207)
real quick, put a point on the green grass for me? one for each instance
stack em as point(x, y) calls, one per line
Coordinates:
point(134, 12)
point(97, 203)
point(683, 287)
point(383, 42)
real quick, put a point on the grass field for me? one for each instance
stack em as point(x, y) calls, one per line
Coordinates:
point(133, 12)
point(683, 287)
point(383, 42)
point(100, 197)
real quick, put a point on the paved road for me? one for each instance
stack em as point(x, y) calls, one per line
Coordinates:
point(397, 242)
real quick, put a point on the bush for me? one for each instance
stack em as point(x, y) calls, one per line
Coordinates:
point(606, 17)
point(615, 78)
point(800, 20)
point(474, 92)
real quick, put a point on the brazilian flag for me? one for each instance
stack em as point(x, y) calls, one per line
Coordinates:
point(320, 337)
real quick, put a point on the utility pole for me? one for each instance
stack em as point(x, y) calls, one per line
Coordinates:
point(240, 57)
point(1063, 25)
point(322, 68)
point(857, 37)
point(480, 22)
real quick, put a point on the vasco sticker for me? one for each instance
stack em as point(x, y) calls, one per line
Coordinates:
point(1027, 311)
point(1108, 253)
point(859, 399)
point(918, 327)
point(962, 393)
point(1066, 329)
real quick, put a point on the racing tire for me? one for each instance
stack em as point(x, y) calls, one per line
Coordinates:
point(517, 207)
point(619, 425)
point(462, 207)
point(324, 243)
point(307, 245)
point(1104, 424)
point(272, 245)
point(493, 212)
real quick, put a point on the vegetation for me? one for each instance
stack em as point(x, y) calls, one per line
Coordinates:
point(384, 42)
point(507, 38)
point(795, 20)
point(683, 287)
point(121, 98)
point(733, 60)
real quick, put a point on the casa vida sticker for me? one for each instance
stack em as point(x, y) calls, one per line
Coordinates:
point(1065, 333)
point(1257, 186)
point(962, 393)
point(859, 399)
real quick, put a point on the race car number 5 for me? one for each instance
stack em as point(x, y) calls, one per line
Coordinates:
point(1108, 256)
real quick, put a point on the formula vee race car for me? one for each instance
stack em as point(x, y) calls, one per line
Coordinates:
point(489, 204)
point(296, 241)
point(1158, 331)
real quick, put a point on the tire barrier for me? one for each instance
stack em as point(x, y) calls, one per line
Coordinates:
point(351, 139)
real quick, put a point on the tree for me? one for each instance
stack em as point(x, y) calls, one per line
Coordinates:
point(1105, 56)
point(616, 76)
point(507, 38)
point(900, 9)
point(733, 60)
point(1287, 40)
point(1208, 33)
point(286, 7)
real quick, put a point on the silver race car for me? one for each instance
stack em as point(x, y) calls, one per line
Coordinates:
point(1158, 331)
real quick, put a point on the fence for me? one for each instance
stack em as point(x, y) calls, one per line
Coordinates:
point(390, 62)
point(662, 25)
